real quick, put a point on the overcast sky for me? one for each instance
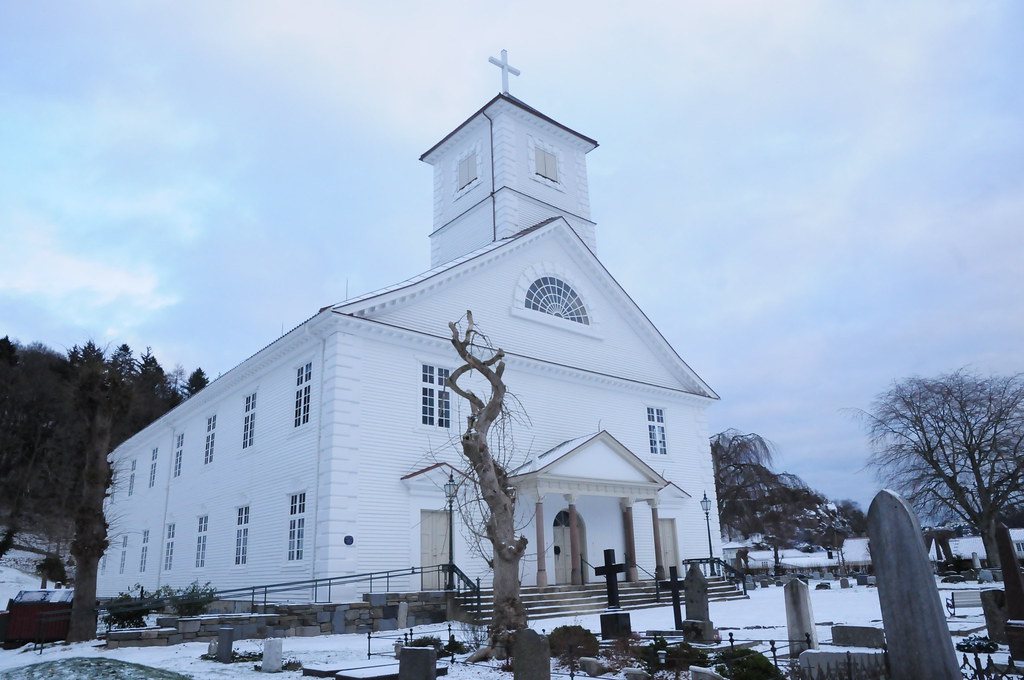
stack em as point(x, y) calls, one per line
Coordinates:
point(809, 199)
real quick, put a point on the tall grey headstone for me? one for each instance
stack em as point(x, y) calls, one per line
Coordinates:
point(920, 645)
point(532, 656)
point(696, 588)
point(271, 656)
point(799, 617)
point(993, 604)
point(1013, 585)
point(225, 639)
point(417, 663)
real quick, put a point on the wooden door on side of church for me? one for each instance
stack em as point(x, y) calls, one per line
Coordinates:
point(669, 544)
point(563, 547)
point(433, 547)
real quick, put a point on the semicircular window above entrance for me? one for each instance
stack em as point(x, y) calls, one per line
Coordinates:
point(557, 298)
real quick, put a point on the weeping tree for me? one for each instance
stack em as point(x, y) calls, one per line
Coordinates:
point(481, 360)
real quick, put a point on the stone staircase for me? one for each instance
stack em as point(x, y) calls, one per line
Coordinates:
point(556, 601)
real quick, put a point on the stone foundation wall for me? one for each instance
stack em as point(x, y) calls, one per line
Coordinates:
point(377, 612)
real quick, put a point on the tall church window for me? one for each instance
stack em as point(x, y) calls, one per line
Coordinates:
point(124, 553)
point(656, 430)
point(249, 424)
point(152, 467)
point(179, 447)
point(546, 164)
point(211, 434)
point(145, 551)
point(557, 298)
point(169, 548)
point(242, 536)
point(303, 381)
point(204, 524)
point(296, 526)
point(131, 478)
point(436, 400)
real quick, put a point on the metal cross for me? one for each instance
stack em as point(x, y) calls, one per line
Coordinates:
point(673, 584)
point(505, 69)
point(611, 571)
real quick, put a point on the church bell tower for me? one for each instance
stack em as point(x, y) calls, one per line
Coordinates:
point(508, 167)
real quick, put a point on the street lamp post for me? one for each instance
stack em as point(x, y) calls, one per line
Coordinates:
point(450, 489)
point(705, 505)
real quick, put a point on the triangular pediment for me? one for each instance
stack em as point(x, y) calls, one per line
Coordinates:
point(597, 464)
point(617, 341)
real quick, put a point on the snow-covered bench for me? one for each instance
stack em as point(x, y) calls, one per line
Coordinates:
point(962, 599)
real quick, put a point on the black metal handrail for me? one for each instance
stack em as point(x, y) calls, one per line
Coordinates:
point(657, 583)
point(715, 566)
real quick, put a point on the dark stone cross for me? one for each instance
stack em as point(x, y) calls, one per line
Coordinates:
point(673, 584)
point(611, 572)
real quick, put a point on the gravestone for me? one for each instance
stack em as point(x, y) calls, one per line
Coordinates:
point(417, 663)
point(799, 618)
point(993, 604)
point(697, 625)
point(673, 585)
point(225, 638)
point(862, 579)
point(920, 647)
point(858, 636)
point(271, 656)
point(975, 561)
point(985, 576)
point(872, 581)
point(844, 583)
point(593, 666)
point(403, 614)
point(701, 673)
point(531, 655)
point(611, 572)
point(1013, 585)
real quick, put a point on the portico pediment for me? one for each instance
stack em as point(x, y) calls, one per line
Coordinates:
point(593, 465)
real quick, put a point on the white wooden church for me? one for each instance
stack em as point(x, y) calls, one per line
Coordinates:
point(326, 453)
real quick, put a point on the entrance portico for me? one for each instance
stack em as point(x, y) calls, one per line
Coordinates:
point(598, 471)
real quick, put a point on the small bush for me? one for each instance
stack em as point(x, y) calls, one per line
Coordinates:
point(426, 641)
point(52, 569)
point(454, 646)
point(978, 644)
point(124, 611)
point(192, 600)
point(583, 642)
point(680, 656)
point(745, 664)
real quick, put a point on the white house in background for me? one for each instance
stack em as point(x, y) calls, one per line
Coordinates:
point(325, 454)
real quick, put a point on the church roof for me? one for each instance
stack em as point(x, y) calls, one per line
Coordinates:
point(517, 103)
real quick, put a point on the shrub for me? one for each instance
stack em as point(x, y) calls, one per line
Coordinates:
point(426, 641)
point(125, 610)
point(978, 644)
point(454, 646)
point(52, 569)
point(582, 641)
point(680, 656)
point(745, 664)
point(193, 599)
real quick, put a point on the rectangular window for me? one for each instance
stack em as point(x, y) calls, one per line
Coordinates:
point(249, 424)
point(302, 381)
point(179, 447)
point(656, 430)
point(467, 170)
point(124, 553)
point(436, 401)
point(152, 468)
point(242, 536)
point(211, 426)
point(204, 524)
point(145, 551)
point(296, 526)
point(547, 164)
point(169, 548)
point(131, 479)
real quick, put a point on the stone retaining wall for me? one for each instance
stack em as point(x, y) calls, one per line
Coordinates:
point(377, 612)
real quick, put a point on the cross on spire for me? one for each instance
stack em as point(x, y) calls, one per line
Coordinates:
point(505, 69)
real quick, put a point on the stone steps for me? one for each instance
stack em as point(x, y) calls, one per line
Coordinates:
point(555, 601)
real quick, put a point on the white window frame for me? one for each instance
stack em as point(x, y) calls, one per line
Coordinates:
point(539, 162)
point(656, 430)
point(144, 553)
point(201, 533)
point(435, 398)
point(179, 446)
point(472, 156)
point(152, 467)
point(242, 536)
point(124, 553)
point(211, 434)
point(303, 383)
point(131, 477)
point(169, 547)
point(296, 526)
point(249, 422)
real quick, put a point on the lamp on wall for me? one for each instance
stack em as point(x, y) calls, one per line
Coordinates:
point(705, 504)
point(450, 489)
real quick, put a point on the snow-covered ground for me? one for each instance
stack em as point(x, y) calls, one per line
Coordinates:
point(762, 617)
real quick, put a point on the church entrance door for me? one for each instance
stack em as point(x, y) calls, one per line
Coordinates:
point(669, 544)
point(433, 547)
point(563, 546)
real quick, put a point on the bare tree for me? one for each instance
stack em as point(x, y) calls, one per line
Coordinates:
point(953, 446)
point(491, 476)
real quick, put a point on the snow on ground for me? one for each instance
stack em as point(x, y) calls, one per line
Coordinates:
point(762, 617)
point(12, 580)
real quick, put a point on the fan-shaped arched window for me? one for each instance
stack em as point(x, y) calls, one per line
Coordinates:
point(557, 298)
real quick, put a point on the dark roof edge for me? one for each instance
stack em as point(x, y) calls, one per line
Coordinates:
point(516, 102)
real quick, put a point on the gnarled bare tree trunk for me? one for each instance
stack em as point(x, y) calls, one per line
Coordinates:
point(492, 479)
